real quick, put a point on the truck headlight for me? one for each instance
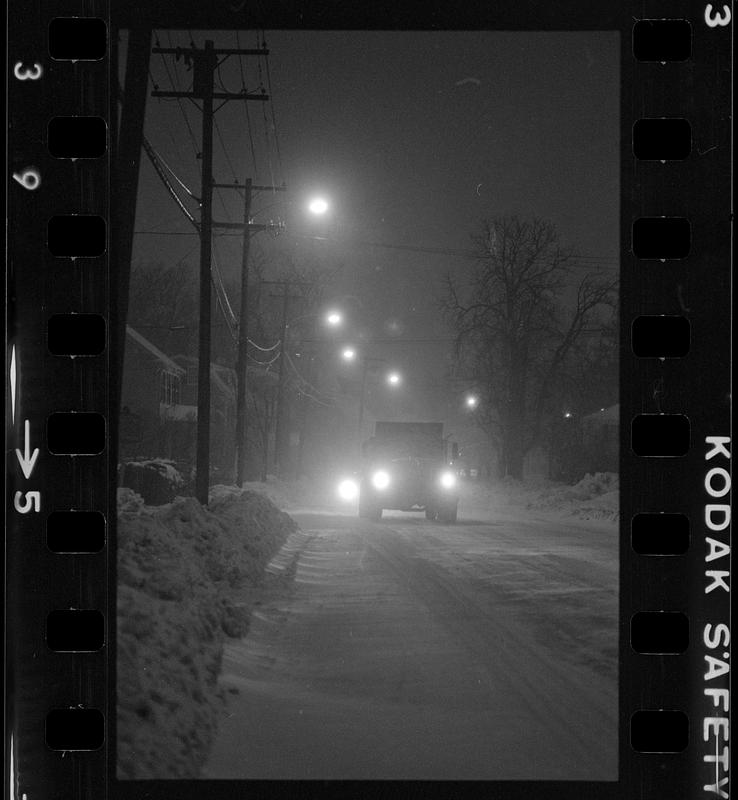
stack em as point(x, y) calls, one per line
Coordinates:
point(348, 490)
point(448, 480)
point(380, 479)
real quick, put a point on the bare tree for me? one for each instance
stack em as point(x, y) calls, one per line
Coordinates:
point(518, 317)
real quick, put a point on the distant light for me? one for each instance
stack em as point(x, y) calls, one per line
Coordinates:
point(568, 415)
point(334, 318)
point(393, 378)
point(318, 206)
point(472, 401)
point(602, 409)
point(349, 354)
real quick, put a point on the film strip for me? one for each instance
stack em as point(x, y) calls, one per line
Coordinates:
point(73, 162)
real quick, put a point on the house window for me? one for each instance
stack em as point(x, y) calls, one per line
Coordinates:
point(169, 388)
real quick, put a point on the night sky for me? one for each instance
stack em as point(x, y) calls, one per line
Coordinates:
point(413, 138)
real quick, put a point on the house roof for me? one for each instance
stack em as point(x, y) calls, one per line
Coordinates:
point(154, 350)
point(217, 373)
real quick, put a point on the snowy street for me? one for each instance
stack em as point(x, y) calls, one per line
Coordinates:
point(407, 649)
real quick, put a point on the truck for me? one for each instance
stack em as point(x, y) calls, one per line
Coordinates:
point(409, 466)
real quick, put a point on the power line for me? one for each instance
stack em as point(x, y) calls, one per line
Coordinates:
point(263, 363)
point(306, 382)
point(263, 110)
point(225, 150)
point(152, 155)
point(176, 177)
point(264, 349)
point(246, 105)
point(175, 85)
point(274, 119)
point(602, 262)
point(222, 295)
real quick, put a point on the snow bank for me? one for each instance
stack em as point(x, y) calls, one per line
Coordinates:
point(157, 480)
point(178, 565)
point(594, 497)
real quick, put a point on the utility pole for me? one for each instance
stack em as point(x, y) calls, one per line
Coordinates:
point(204, 67)
point(311, 380)
point(242, 359)
point(362, 393)
point(280, 445)
point(205, 61)
point(280, 433)
point(243, 342)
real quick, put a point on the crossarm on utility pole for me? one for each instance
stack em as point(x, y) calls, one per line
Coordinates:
point(215, 95)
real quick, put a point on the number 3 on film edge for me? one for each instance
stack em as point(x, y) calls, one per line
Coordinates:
point(716, 20)
point(28, 74)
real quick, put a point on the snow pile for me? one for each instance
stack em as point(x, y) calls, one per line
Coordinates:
point(157, 480)
point(594, 497)
point(178, 565)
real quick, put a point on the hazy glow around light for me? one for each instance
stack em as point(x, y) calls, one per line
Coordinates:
point(567, 415)
point(472, 401)
point(318, 206)
point(334, 318)
point(393, 378)
point(348, 353)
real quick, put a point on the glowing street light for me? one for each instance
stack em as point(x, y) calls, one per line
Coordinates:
point(348, 354)
point(472, 401)
point(393, 379)
point(334, 318)
point(318, 206)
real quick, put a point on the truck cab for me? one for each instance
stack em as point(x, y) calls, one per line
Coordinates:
point(409, 466)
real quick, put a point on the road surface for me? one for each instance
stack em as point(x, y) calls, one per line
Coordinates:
point(407, 649)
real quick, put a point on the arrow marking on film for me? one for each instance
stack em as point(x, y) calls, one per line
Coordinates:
point(27, 459)
point(12, 384)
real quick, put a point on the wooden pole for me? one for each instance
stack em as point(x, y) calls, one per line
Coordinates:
point(242, 362)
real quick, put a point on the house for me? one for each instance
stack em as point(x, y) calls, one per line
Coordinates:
point(182, 415)
point(151, 382)
point(159, 405)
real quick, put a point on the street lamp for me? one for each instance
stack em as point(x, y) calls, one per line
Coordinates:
point(393, 379)
point(472, 401)
point(348, 354)
point(334, 318)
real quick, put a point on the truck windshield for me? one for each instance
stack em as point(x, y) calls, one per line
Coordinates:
point(410, 447)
